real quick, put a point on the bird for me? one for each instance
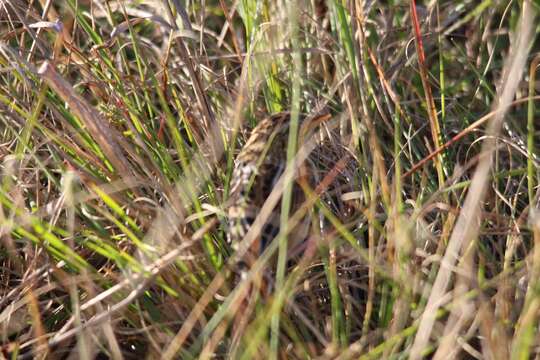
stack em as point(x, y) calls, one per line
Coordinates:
point(257, 169)
point(256, 172)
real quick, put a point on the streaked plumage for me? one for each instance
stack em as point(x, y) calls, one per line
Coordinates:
point(257, 169)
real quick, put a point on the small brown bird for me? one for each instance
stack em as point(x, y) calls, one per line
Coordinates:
point(257, 169)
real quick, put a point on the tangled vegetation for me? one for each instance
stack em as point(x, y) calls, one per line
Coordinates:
point(411, 158)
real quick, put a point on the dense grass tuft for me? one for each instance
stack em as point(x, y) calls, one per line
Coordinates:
point(411, 166)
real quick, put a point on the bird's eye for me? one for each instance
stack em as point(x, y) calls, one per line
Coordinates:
point(248, 220)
